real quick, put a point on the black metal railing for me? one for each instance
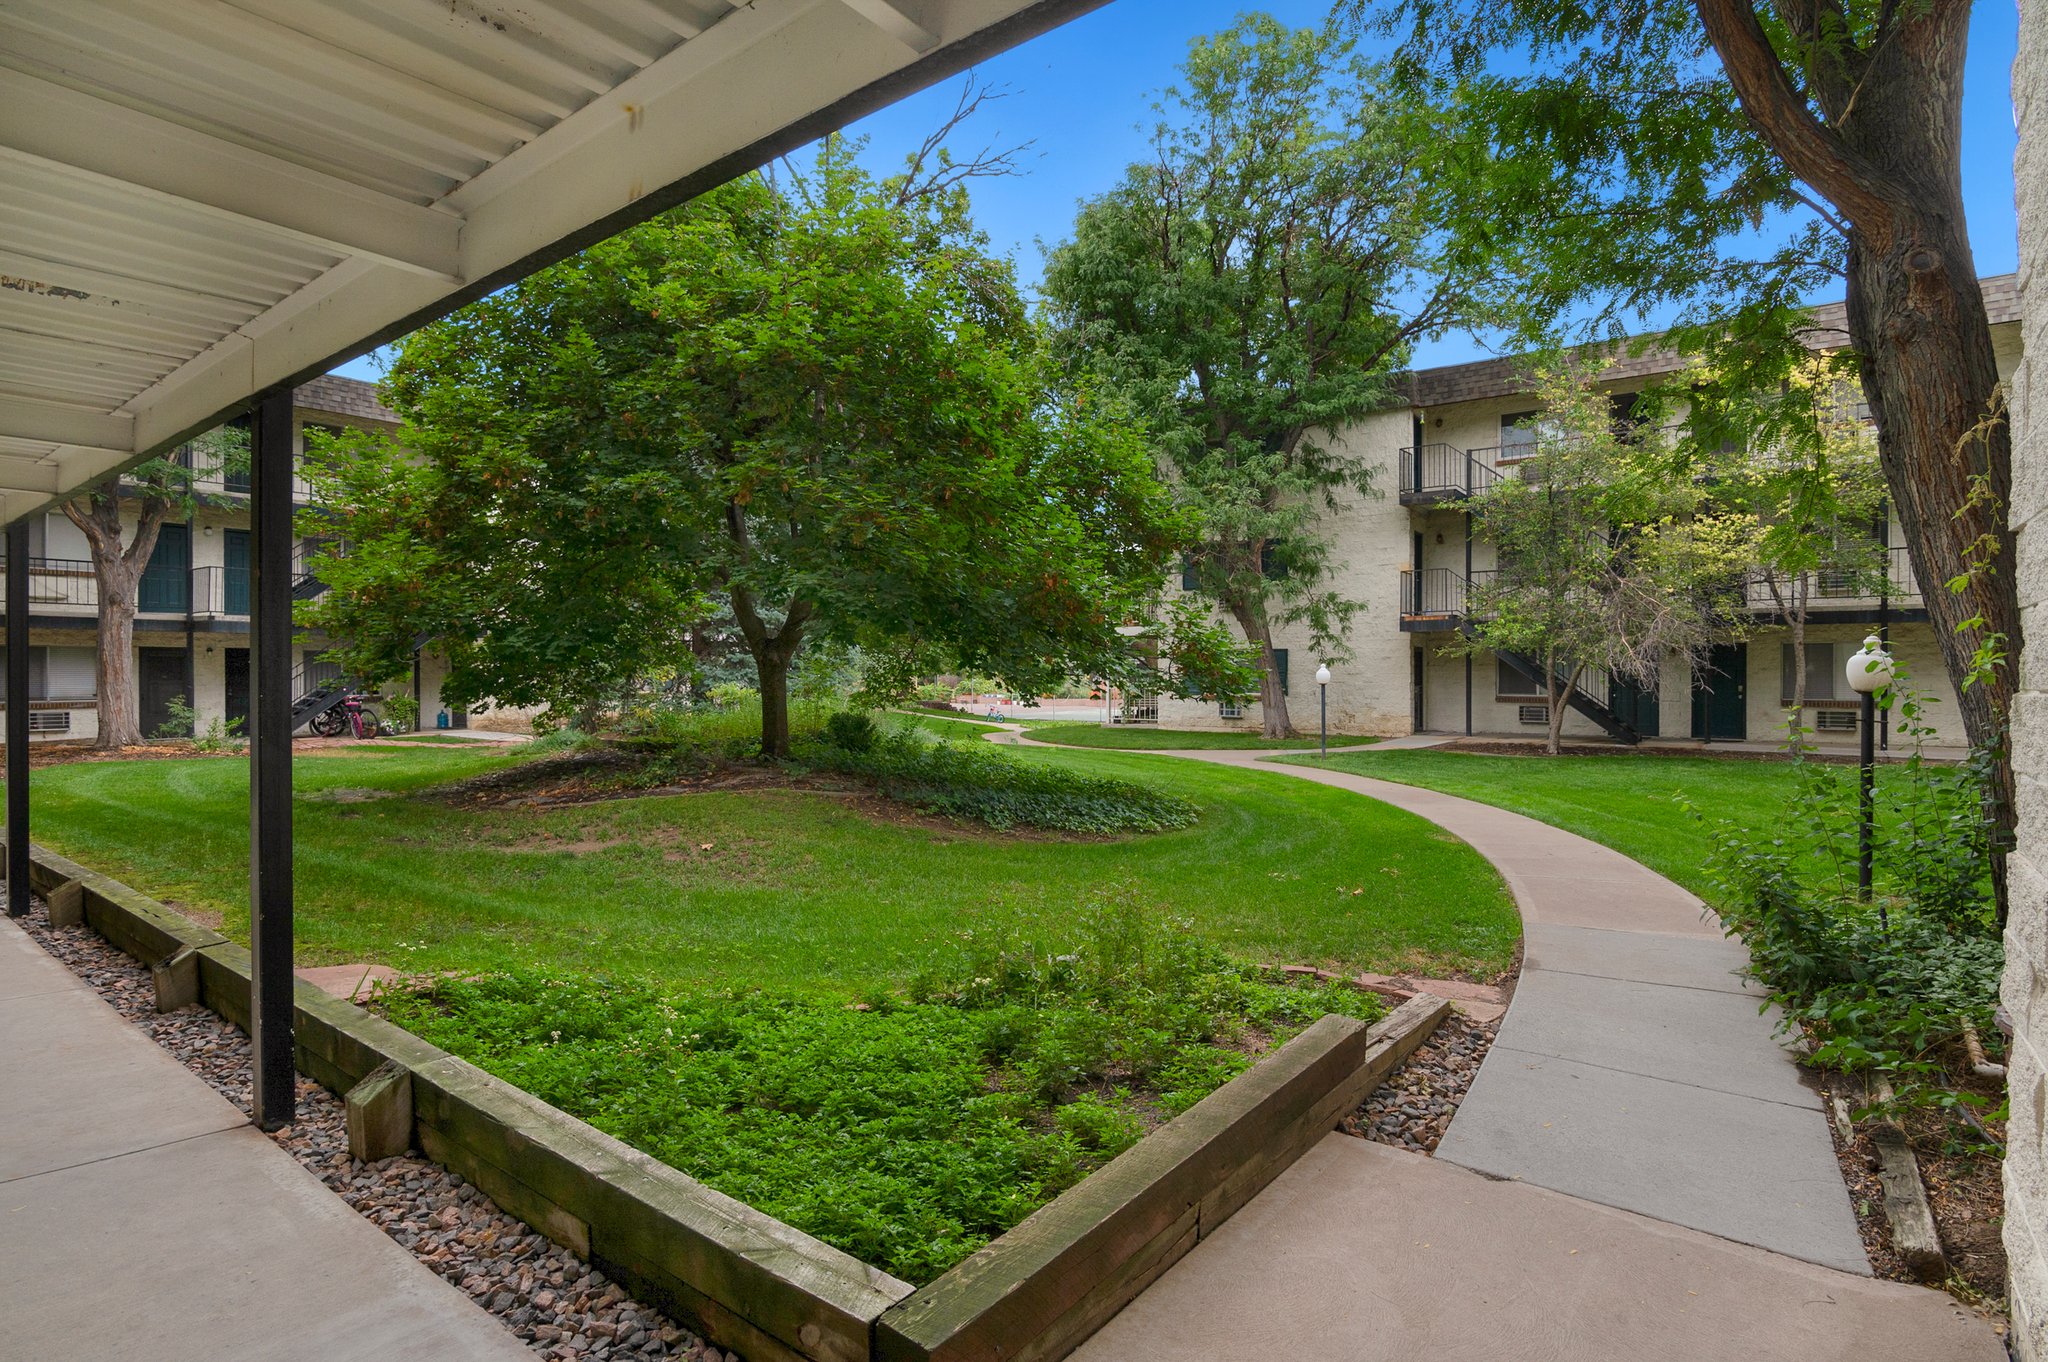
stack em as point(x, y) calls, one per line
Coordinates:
point(59, 583)
point(1440, 472)
point(1893, 580)
point(1439, 591)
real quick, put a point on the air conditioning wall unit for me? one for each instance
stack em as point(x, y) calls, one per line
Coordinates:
point(1533, 714)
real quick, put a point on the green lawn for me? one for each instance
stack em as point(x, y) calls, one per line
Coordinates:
point(776, 888)
point(1625, 802)
point(939, 725)
point(1148, 739)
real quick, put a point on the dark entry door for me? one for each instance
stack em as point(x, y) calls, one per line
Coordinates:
point(167, 582)
point(1634, 705)
point(1720, 696)
point(238, 686)
point(1418, 675)
point(235, 551)
point(160, 679)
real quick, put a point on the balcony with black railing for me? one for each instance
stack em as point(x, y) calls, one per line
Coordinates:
point(1440, 472)
point(1845, 591)
point(1437, 598)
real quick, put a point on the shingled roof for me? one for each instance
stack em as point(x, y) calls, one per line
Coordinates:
point(1503, 377)
point(350, 397)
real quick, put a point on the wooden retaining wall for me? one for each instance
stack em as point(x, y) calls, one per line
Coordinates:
point(764, 1288)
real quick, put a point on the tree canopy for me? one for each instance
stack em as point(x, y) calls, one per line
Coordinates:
point(814, 399)
point(1251, 291)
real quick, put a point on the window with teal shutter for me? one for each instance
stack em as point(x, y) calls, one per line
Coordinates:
point(1280, 665)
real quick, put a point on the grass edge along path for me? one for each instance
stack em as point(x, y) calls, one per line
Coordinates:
point(1144, 738)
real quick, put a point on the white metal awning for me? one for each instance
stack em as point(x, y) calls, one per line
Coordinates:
point(202, 200)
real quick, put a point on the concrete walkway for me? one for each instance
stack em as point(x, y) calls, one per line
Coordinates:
point(1659, 1181)
point(142, 1217)
point(1361, 1253)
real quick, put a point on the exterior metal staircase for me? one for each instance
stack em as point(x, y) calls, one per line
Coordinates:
point(1583, 697)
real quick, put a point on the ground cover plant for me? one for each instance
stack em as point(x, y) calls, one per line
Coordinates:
point(1144, 738)
point(914, 1126)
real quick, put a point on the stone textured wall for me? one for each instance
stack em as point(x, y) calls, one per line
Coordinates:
point(2026, 942)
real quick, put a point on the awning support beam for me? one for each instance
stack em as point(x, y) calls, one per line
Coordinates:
point(17, 720)
point(270, 762)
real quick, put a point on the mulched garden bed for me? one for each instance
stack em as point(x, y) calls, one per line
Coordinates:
point(560, 1306)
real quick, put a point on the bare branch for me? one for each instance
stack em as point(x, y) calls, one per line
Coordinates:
point(931, 169)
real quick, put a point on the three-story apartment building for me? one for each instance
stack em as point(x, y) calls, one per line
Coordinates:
point(192, 621)
point(1411, 555)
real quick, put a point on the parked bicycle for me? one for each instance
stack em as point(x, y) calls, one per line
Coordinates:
point(348, 717)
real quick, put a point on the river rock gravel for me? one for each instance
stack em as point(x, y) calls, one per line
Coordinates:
point(559, 1305)
point(1414, 1106)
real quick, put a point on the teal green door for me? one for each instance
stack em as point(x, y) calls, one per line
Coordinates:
point(166, 587)
point(1720, 695)
point(1634, 705)
point(236, 586)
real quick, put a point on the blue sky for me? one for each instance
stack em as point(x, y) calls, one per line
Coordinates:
point(1082, 95)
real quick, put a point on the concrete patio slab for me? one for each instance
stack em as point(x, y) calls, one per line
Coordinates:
point(1361, 1253)
point(1700, 1037)
point(1753, 1171)
point(1652, 957)
point(143, 1220)
point(220, 1249)
point(81, 1084)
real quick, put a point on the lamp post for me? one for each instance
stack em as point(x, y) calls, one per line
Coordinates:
point(1323, 703)
point(1870, 671)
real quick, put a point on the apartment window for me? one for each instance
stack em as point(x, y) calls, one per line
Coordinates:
point(1230, 709)
point(1514, 683)
point(1280, 665)
point(236, 479)
point(1190, 580)
point(59, 673)
point(1517, 435)
point(1824, 675)
point(1272, 566)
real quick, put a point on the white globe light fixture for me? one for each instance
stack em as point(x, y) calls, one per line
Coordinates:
point(1870, 667)
point(1323, 706)
point(1869, 671)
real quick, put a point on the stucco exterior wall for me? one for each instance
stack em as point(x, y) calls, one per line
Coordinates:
point(2026, 937)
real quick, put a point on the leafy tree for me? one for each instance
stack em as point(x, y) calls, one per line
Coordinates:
point(158, 491)
point(1792, 462)
point(1606, 563)
point(814, 402)
point(1732, 158)
point(1242, 292)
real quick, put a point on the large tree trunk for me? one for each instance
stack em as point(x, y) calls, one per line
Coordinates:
point(117, 570)
point(773, 674)
point(1889, 158)
point(772, 653)
point(1274, 721)
point(114, 669)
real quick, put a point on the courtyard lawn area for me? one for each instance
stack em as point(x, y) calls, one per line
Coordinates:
point(773, 887)
point(1627, 802)
point(1144, 738)
point(938, 725)
point(897, 1033)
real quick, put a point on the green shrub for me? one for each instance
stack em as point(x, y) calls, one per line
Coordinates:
point(850, 731)
point(983, 784)
point(1886, 985)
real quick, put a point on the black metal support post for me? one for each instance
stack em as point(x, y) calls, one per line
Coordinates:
point(270, 761)
point(1867, 806)
point(17, 720)
point(1323, 704)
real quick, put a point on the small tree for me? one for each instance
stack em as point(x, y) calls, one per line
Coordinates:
point(1786, 454)
point(1605, 561)
point(159, 490)
point(1250, 292)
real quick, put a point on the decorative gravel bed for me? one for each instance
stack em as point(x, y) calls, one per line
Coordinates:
point(1414, 1106)
point(559, 1305)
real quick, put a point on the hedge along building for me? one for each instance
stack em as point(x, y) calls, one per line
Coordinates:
point(1410, 554)
point(204, 207)
point(192, 640)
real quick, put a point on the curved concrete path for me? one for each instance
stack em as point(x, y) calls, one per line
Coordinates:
point(1634, 1067)
point(1634, 1116)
